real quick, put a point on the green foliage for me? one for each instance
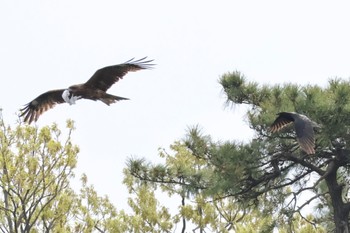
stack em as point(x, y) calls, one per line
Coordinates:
point(278, 162)
point(94, 212)
point(270, 174)
point(328, 106)
point(224, 186)
point(238, 90)
point(147, 215)
point(190, 175)
point(302, 225)
point(35, 168)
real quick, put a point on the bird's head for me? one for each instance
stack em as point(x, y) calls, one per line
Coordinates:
point(287, 115)
point(69, 97)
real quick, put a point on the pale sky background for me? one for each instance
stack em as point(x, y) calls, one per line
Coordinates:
point(46, 45)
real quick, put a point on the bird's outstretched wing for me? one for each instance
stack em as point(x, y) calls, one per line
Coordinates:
point(105, 77)
point(281, 121)
point(305, 135)
point(303, 129)
point(40, 104)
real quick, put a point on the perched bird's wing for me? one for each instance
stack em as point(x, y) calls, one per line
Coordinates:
point(40, 104)
point(305, 135)
point(281, 121)
point(105, 77)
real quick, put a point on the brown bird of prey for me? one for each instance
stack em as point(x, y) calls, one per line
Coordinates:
point(304, 129)
point(94, 89)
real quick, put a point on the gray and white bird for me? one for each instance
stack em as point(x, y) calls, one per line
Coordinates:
point(304, 129)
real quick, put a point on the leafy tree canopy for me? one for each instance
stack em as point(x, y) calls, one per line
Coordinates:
point(271, 168)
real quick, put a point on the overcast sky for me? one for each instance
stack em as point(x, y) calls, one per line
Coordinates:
point(46, 45)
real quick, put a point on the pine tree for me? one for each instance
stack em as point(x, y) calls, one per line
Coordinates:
point(270, 170)
point(274, 162)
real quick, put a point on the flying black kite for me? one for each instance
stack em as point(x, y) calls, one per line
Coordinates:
point(304, 129)
point(94, 89)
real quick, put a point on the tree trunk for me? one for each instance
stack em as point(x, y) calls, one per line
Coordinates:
point(183, 218)
point(340, 209)
point(6, 203)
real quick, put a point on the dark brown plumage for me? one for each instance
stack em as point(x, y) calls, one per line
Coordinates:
point(94, 89)
point(304, 129)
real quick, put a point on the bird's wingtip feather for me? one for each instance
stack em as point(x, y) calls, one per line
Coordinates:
point(142, 62)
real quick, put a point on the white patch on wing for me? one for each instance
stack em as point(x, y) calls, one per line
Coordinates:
point(72, 99)
point(65, 95)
